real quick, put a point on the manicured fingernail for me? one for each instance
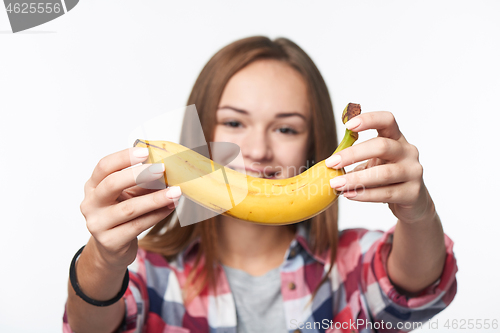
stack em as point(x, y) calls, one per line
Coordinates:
point(338, 182)
point(353, 123)
point(157, 168)
point(173, 192)
point(350, 194)
point(141, 152)
point(333, 161)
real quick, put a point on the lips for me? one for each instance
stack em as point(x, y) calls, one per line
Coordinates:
point(255, 173)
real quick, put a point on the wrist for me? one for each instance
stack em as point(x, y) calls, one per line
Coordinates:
point(84, 296)
point(112, 263)
point(96, 278)
point(427, 216)
point(424, 211)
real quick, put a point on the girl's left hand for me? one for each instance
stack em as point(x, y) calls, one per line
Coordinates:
point(392, 173)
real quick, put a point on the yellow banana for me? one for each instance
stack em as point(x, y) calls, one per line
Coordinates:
point(231, 193)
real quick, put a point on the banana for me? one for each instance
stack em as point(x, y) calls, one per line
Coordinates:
point(264, 201)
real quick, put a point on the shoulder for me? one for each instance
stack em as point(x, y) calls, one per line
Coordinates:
point(355, 249)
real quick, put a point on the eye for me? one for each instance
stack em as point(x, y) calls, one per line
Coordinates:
point(232, 124)
point(287, 130)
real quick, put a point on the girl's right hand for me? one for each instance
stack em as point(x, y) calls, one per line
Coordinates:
point(117, 209)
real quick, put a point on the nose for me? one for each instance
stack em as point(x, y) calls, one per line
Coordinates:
point(257, 146)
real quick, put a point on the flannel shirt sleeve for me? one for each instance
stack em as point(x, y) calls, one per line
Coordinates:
point(387, 304)
point(136, 298)
point(154, 297)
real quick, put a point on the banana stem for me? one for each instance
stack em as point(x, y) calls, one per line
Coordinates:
point(349, 138)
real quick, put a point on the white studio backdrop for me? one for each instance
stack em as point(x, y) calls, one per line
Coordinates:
point(73, 89)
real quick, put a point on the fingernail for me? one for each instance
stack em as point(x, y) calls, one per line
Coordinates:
point(172, 205)
point(338, 182)
point(353, 123)
point(173, 192)
point(141, 152)
point(350, 194)
point(333, 161)
point(157, 168)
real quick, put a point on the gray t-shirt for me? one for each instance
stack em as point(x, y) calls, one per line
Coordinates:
point(258, 300)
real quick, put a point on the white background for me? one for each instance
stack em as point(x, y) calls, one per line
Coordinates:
point(72, 90)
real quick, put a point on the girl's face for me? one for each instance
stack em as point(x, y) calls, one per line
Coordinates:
point(264, 109)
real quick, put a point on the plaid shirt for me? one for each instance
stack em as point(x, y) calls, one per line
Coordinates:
point(357, 297)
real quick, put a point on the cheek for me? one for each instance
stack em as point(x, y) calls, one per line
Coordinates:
point(217, 134)
point(292, 156)
point(223, 134)
point(229, 150)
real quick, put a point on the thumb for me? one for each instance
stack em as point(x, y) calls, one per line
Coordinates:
point(359, 167)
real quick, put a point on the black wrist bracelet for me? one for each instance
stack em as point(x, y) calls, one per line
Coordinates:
point(79, 292)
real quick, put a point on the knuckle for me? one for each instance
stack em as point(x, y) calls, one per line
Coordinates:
point(419, 170)
point(386, 173)
point(84, 207)
point(371, 115)
point(105, 239)
point(400, 171)
point(391, 117)
point(360, 188)
point(349, 156)
point(346, 156)
point(102, 166)
point(159, 198)
point(127, 208)
point(137, 225)
point(107, 184)
point(389, 193)
point(353, 179)
point(384, 145)
point(414, 151)
point(86, 186)
point(92, 225)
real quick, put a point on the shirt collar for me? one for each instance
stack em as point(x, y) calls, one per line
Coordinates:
point(189, 253)
point(301, 241)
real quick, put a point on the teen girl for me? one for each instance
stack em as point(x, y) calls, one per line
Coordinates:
point(228, 275)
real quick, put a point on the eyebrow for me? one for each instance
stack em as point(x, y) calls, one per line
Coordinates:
point(279, 115)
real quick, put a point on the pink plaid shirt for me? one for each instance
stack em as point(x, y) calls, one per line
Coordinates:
point(357, 297)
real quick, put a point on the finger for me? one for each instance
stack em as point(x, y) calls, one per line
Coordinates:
point(379, 175)
point(128, 231)
point(135, 191)
point(133, 208)
point(115, 162)
point(379, 147)
point(402, 193)
point(142, 189)
point(111, 187)
point(383, 121)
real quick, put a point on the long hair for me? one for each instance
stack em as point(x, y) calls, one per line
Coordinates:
point(168, 237)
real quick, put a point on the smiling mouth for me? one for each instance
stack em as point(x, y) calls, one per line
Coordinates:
point(256, 174)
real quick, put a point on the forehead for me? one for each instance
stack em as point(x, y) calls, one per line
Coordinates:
point(267, 86)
